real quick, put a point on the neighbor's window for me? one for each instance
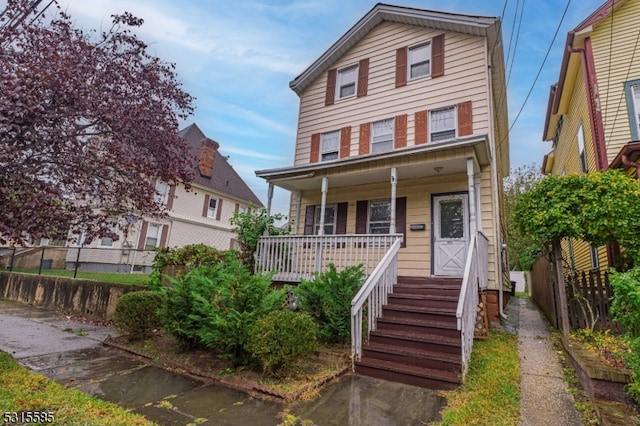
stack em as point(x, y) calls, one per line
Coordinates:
point(153, 236)
point(211, 211)
point(329, 146)
point(379, 216)
point(595, 262)
point(329, 219)
point(162, 192)
point(635, 110)
point(581, 152)
point(419, 61)
point(382, 135)
point(442, 124)
point(108, 241)
point(346, 82)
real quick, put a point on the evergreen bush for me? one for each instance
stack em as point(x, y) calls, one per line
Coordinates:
point(137, 313)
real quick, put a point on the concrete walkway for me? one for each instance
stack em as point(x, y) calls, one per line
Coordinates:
point(545, 399)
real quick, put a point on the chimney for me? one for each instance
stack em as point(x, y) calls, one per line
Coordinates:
point(208, 149)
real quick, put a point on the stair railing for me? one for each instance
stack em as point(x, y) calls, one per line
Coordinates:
point(475, 277)
point(374, 292)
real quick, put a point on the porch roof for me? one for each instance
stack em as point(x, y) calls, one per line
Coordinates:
point(412, 162)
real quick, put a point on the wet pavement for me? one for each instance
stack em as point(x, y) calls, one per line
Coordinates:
point(72, 354)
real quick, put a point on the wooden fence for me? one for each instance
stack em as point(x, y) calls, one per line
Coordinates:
point(543, 285)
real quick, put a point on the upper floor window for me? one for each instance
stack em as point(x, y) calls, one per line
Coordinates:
point(329, 219)
point(635, 94)
point(379, 216)
point(346, 82)
point(329, 146)
point(162, 192)
point(211, 211)
point(419, 61)
point(442, 124)
point(382, 135)
point(581, 152)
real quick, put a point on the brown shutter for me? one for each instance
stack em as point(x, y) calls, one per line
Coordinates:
point(172, 195)
point(401, 219)
point(401, 67)
point(163, 235)
point(143, 235)
point(361, 216)
point(219, 209)
point(363, 77)
point(330, 96)
point(465, 119)
point(400, 131)
point(237, 208)
point(205, 208)
point(309, 220)
point(437, 56)
point(315, 148)
point(345, 141)
point(365, 136)
point(341, 218)
point(421, 127)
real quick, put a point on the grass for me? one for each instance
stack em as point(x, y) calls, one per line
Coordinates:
point(23, 390)
point(108, 277)
point(491, 394)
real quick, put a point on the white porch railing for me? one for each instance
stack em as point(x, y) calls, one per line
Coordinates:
point(298, 256)
point(475, 277)
point(374, 292)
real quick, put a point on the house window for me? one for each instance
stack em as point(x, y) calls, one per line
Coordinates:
point(419, 59)
point(346, 82)
point(211, 210)
point(382, 136)
point(379, 216)
point(329, 219)
point(581, 152)
point(162, 193)
point(556, 137)
point(108, 241)
point(329, 145)
point(633, 100)
point(442, 124)
point(595, 262)
point(153, 236)
point(243, 209)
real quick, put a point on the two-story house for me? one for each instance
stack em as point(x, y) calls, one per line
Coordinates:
point(200, 215)
point(593, 114)
point(402, 132)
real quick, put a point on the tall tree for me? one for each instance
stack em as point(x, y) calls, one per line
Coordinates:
point(88, 123)
point(521, 246)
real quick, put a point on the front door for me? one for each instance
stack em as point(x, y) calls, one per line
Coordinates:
point(450, 234)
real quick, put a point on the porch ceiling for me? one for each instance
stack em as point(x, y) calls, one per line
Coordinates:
point(411, 163)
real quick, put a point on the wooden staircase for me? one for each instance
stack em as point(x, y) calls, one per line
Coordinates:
point(416, 341)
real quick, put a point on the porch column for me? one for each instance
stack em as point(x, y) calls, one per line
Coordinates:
point(269, 198)
point(394, 182)
point(298, 207)
point(325, 185)
point(478, 188)
point(473, 224)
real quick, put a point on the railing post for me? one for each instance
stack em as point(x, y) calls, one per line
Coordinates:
point(75, 271)
point(41, 258)
point(13, 256)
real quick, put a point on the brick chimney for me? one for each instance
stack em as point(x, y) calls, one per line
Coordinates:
point(208, 149)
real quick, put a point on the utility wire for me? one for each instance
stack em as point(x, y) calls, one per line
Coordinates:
point(515, 47)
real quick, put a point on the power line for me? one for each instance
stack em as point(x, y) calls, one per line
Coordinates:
point(515, 48)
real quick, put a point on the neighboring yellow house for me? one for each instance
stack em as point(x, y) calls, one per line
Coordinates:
point(402, 131)
point(593, 115)
point(200, 215)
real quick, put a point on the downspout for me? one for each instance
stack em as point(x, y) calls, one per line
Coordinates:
point(494, 184)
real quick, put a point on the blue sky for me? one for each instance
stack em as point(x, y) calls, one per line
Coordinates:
point(238, 57)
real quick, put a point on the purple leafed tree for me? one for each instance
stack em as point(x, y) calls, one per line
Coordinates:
point(88, 123)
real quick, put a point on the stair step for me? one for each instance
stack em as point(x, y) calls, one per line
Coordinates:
point(408, 374)
point(404, 280)
point(410, 356)
point(426, 313)
point(427, 290)
point(443, 301)
point(439, 328)
point(420, 341)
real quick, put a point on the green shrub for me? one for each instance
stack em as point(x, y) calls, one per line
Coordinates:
point(279, 339)
point(327, 298)
point(137, 313)
point(625, 310)
point(215, 306)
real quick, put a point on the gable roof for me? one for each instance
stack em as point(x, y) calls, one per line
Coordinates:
point(482, 26)
point(225, 179)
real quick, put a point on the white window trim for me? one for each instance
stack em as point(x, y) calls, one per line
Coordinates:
point(410, 62)
point(316, 218)
point(636, 104)
point(211, 211)
point(391, 136)
point(106, 241)
point(339, 84)
point(455, 124)
point(370, 222)
point(158, 235)
point(161, 195)
point(324, 138)
point(595, 261)
point(582, 155)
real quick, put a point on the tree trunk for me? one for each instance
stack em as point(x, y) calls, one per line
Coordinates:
point(561, 290)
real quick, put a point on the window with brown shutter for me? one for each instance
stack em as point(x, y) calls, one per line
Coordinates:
point(363, 77)
point(465, 118)
point(400, 136)
point(362, 217)
point(364, 140)
point(315, 148)
point(172, 195)
point(330, 96)
point(163, 236)
point(401, 67)
point(205, 207)
point(219, 209)
point(345, 141)
point(421, 127)
point(143, 235)
point(437, 56)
